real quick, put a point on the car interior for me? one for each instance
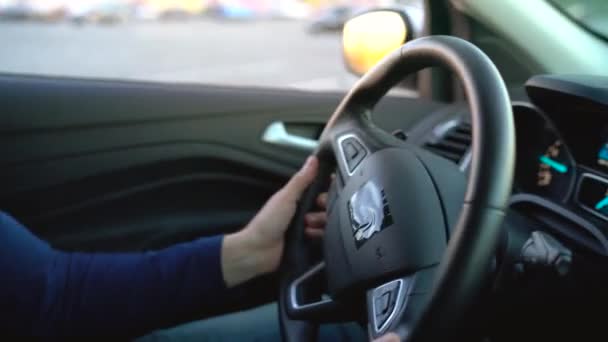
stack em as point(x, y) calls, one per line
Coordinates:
point(489, 189)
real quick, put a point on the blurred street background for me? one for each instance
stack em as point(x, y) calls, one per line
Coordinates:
point(271, 43)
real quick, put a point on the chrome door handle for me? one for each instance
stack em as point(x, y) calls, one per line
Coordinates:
point(277, 134)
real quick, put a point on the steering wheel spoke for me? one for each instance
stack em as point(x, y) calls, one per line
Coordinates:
point(397, 305)
point(351, 153)
point(385, 303)
point(323, 309)
point(354, 141)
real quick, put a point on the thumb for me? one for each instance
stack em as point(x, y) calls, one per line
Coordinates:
point(303, 178)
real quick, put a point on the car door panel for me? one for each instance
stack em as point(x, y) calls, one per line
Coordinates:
point(112, 165)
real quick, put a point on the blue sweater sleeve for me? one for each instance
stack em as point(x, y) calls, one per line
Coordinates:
point(50, 293)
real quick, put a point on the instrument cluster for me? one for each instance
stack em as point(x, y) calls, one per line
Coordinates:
point(563, 158)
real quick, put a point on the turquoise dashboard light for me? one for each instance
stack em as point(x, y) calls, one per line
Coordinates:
point(601, 204)
point(557, 166)
point(602, 155)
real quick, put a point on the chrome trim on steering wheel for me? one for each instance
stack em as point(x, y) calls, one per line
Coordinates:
point(402, 288)
point(293, 290)
point(343, 154)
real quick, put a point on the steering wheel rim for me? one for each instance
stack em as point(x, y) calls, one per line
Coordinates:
point(458, 266)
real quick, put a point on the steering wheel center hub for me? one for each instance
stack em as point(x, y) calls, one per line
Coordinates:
point(380, 224)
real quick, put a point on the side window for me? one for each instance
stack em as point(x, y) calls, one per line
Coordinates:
point(268, 43)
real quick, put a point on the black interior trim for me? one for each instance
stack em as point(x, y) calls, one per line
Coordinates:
point(572, 226)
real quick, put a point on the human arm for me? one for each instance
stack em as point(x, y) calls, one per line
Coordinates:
point(49, 293)
point(53, 294)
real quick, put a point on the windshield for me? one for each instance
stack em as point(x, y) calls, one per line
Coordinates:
point(591, 14)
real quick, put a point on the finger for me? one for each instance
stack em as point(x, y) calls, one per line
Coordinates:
point(316, 219)
point(322, 200)
point(303, 178)
point(390, 337)
point(314, 233)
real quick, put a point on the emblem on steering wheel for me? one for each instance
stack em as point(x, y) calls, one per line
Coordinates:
point(369, 212)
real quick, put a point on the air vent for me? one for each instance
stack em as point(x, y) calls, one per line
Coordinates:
point(451, 140)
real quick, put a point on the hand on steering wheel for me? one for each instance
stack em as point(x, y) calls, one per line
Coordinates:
point(259, 246)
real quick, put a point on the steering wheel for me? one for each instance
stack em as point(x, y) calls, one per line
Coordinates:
point(409, 241)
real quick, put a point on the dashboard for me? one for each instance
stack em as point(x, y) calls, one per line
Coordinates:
point(561, 171)
point(566, 163)
point(558, 209)
point(562, 144)
point(551, 263)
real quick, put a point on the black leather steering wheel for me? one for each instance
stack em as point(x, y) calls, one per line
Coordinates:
point(408, 239)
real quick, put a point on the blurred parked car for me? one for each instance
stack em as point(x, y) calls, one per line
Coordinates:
point(102, 12)
point(175, 14)
point(47, 10)
point(233, 11)
point(42, 10)
point(332, 19)
point(17, 11)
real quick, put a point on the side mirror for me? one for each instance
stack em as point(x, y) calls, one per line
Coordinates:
point(368, 37)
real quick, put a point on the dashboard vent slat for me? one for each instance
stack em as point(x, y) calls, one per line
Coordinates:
point(464, 127)
point(449, 155)
point(461, 137)
point(454, 143)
